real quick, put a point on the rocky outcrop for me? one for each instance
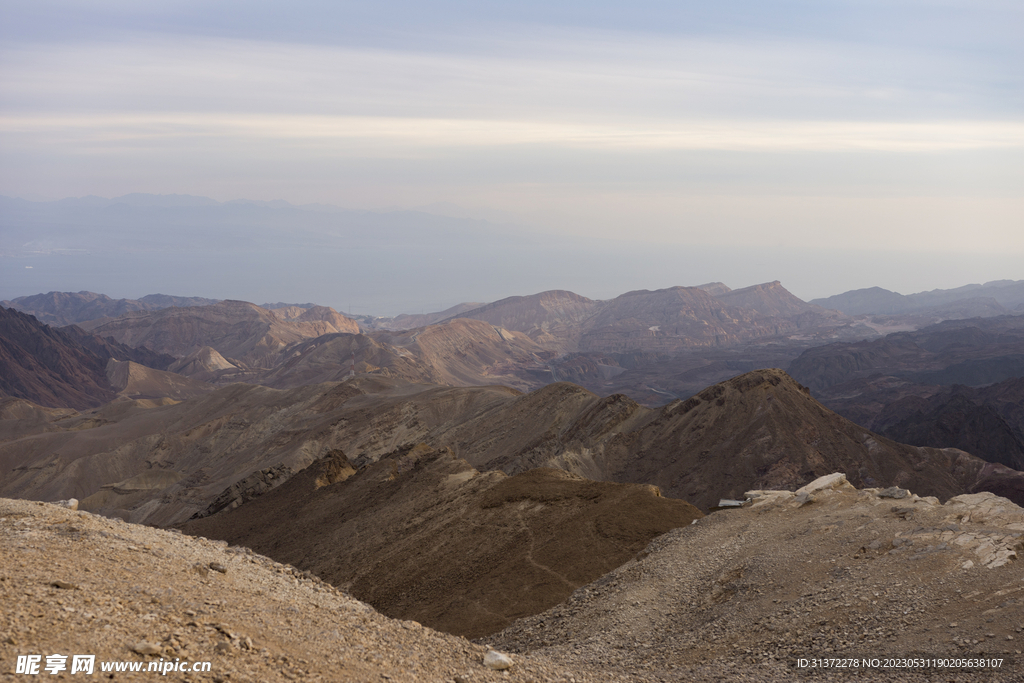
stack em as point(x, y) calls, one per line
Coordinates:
point(244, 490)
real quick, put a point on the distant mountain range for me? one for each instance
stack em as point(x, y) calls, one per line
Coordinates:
point(66, 308)
point(664, 347)
point(992, 298)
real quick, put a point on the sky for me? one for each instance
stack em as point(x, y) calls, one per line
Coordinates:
point(818, 126)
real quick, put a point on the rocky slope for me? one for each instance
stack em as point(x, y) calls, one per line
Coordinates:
point(137, 381)
point(742, 594)
point(206, 365)
point(459, 352)
point(463, 352)
point(75, 583)
point(47, 366)
point(758, 430)
point(421, 535)
point(163, 463)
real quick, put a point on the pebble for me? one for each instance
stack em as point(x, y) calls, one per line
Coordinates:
point(147, 648)
point(498, 661)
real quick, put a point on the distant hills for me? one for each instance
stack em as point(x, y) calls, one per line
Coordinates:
point(587, 369)
point(954, 384)
point(66, 308)
point(237, 329)
point(992, 298)
point(664, 320)
point(654, 345)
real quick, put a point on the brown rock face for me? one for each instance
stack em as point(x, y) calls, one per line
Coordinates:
point(47, 366)
point(762, 430)
point(422, 535)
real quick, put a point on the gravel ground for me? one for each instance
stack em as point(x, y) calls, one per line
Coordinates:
point(76, 583)
point(744, 594)
point(741, 595)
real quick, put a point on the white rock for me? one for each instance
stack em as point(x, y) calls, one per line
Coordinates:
point(836, 480)
point(70, 503)
point(761, 497)
point(497, 661)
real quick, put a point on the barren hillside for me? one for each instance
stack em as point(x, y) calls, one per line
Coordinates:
point(162, 463)
point(75, 583)
point(422, 535)
point(743, 594)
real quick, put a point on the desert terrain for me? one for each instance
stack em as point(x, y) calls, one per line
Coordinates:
point(339, 498)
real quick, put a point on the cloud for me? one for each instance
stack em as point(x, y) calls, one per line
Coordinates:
point(579, 130)
point(105, 131)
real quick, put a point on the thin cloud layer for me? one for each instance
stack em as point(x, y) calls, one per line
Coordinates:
point(813, 124)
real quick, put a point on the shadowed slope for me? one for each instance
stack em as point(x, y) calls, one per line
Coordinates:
point(422, 535)
point(48, 366)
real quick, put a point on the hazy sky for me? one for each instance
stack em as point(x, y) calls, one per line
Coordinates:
point(819, 124)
